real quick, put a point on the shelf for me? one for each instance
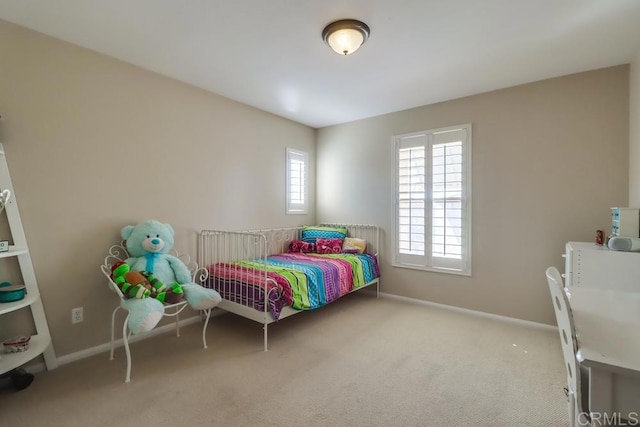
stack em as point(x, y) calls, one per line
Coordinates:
point(13, 251)
point(41, 342)
point(7, 307)
point(37, 346)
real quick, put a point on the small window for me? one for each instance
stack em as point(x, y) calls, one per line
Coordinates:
point(432, 196)
point(297, 182)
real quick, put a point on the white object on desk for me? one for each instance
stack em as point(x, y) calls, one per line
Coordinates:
point(594, 266)
point(626, 244)
point(607, 324)
point(625, 222)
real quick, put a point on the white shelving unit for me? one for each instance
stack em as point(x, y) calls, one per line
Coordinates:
point(40, 343)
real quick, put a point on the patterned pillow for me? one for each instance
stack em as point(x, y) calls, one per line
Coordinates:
point(298, 246)
point(328, 246)
point(354, 245)
point(311, 233)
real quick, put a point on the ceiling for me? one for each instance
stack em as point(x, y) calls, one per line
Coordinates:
point(270, 54)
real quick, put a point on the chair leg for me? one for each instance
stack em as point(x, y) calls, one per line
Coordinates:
point(113, 330)
point(204, 328)
point(572, 409)
point(125, 340)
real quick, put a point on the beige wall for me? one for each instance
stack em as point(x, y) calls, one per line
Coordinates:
point(634, 133)
point(94, 144)
point(549, 160)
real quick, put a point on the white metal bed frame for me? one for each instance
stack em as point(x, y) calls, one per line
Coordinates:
point(216, 246)
point(198, 275)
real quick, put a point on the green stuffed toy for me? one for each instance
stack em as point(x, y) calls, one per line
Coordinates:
point(142, 284)
point(148, 244)
point(132, 284)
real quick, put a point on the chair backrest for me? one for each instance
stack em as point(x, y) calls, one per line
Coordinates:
point(116, 254)
point(567, 332)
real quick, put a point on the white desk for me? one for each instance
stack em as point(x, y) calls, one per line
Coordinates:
point(607, 324)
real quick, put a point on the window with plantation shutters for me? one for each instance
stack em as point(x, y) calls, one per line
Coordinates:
point(297, 182)
point(432, 200)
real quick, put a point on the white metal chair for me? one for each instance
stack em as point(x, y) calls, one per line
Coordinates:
point(576, 392)
point(118, 253)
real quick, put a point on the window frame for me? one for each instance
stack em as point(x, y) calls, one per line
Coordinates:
point(425, 261)
point(297, 208)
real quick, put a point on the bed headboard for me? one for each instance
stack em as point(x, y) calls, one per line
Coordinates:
point(370, 233)
point(278, 239)
point(228, 246)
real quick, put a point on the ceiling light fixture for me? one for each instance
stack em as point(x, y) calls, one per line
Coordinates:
point(346, 35)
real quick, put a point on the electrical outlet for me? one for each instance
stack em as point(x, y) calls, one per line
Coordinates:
point(76, 315)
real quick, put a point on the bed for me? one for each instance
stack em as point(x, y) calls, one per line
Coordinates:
point(268, 275)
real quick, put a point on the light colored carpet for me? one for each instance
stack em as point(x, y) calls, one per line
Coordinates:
point(361, 361)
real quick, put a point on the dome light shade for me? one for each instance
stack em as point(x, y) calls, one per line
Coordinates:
point(345, 36)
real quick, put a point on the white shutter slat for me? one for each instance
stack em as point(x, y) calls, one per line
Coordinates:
point(296, 181)
point(411, 195)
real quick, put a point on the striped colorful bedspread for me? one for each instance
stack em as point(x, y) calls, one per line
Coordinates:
point(303, 281)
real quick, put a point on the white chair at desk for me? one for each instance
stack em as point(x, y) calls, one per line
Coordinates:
point(576, 392)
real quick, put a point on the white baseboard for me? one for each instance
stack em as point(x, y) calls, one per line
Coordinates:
point(513, 320)
point(102, 348)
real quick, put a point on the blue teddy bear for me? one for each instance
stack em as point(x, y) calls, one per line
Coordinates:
point(148, 244)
